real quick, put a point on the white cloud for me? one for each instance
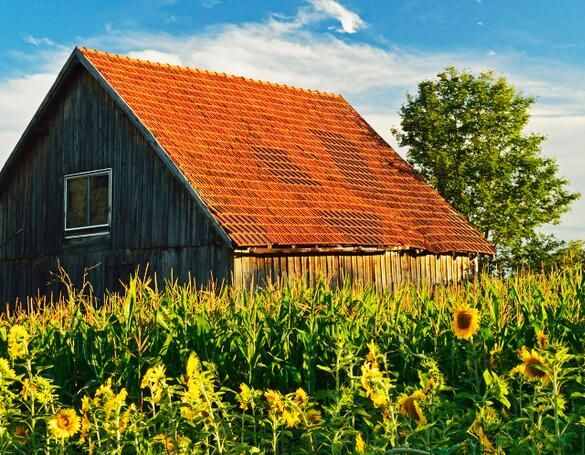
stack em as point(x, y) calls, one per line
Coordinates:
point(375, 79)
point(294, 56)
point(37, 42)
point(350, 21)
point(156, 56)
point(566, 142)
point(19, 99)
point(21, 96)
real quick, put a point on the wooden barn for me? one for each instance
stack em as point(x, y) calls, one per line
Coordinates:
point(209, 176)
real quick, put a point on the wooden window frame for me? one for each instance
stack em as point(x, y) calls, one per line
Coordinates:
point(102, 229)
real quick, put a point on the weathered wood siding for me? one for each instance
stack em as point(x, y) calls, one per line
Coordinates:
point(384, 271)
point(154, 218)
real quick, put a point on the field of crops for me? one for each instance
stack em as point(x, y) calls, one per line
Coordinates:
point(495, 367)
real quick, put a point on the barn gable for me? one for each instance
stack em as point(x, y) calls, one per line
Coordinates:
point(75, 62)
point(155, 218)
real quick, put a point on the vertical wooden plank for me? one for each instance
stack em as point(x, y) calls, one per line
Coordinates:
point(383, 271)
point(393, 265)
point(349, 275)
point(379, 270)
point(324, 267)
point(361, 269)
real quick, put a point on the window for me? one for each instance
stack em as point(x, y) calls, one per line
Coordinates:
point(88, 201)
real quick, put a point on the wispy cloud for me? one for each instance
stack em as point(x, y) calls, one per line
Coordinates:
point(38, 41)
point(349, 20)
point(374, 78)
point(156, 56)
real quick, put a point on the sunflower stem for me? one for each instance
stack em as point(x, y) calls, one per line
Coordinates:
point(556, 409)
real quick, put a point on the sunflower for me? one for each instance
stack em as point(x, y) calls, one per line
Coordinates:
point(194, 391)
point(375, 384)
point(301, 397)
point(114, 405)
point(85, 404)
point(379, 399)
point(313, 416)
point(465, 322)
point(37, 388)
point(431, 379)
point(541, 339)
point(275, 401)
point(246, 397)
point(64, 424)
point(533, 366)
point(18, 339)
point(291, 417)
point(125, 418)
point(373, 354)
point(105, 389)
point(409, 407)
point(188, 413)
point(193, 365)
point(477, 430)
point(84, 427)
point(155, 380)
point(101, 396)
point(166, 442)
point(371, 377)
point(6, 372)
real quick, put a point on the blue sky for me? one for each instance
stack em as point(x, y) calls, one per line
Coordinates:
point(373, 52)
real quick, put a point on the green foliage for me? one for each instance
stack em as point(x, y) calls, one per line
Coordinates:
point(300, 370)
point(547, 253)
point(466, 136)
point(570, 254)
point(538, 252)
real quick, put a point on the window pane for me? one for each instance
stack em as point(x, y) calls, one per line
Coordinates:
point(77, 202)
point(99, 200)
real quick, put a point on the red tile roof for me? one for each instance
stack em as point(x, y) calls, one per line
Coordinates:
point(281, 166)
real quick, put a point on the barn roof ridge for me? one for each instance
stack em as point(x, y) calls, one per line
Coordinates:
point(226, 75)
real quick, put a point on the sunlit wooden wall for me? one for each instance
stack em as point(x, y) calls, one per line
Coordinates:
point(384, 271)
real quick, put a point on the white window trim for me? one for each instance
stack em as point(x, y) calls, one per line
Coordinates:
point(74, 230)
point(94, 234)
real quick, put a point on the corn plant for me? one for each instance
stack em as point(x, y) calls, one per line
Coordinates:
point(495, 366)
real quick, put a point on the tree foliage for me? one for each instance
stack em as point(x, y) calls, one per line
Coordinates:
point(570, 254)
point(466, 136)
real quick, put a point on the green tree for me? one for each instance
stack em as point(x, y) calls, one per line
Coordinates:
point(570, 254)
point(466, 136)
